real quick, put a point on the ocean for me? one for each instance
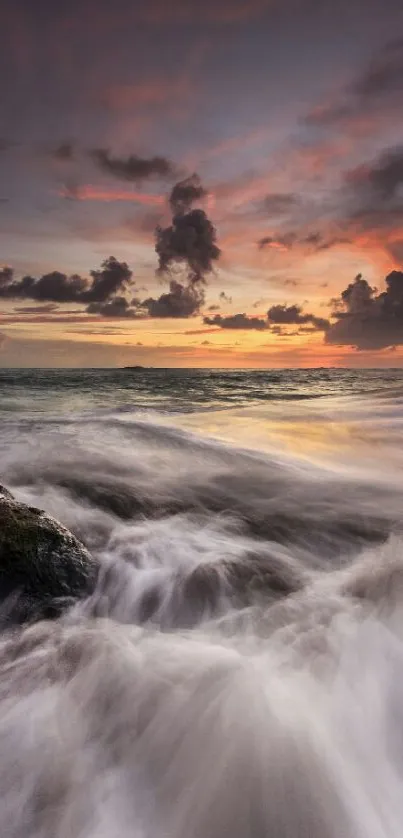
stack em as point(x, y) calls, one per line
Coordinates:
point(237, 672)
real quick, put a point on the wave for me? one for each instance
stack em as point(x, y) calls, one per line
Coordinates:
point(237, 669)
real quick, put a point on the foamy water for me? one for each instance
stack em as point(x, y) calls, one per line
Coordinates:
point(238, 670)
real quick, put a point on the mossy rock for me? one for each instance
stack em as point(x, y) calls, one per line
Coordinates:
point(43, 567)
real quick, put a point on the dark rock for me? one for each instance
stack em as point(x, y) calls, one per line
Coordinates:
point(43, 567)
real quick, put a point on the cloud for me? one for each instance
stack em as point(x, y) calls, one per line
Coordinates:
point(283, 314)
point(118, 307)
point(277, 316)
point(381, 82)
point(186, 193)
point(191, 239)
point(189, 242)
point(369, 200)
point(86, 192)
point(6, 276)
point(106, 282)
point(281, 242)
point(367, 319)
point(383, 75)
point(372, 195)
point(64, 152)
point(101, 295)
point(225, 298)
point(45, 309)
point(132, 168)
point(314, 241)
point(181, 301)
point(279, 203)
point(265, 241)
point(382, 179)
point(237, 321)
point(56, 287)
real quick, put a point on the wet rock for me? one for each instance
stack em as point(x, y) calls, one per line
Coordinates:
point(43, 568)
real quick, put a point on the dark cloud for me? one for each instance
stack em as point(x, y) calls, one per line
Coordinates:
point(264, 241)
point(186, 193)
point(101, 295)
point(213, 308)
point(315, 240)
point(382, 178)
point(384, 73)
point(334, 241)
point(367, 319)
point(380, 82)
point(6, 276)
point(279, 203)
point(118, 307)
point(190, 241)
point(286, 315)
point(133, 168)
point(181, 301)
point(55, 287)
point(46, 309)
point(285, 240)
point(277, 317)
point(237, 321)
point(328, 115)
point(373, 193)
point(113, 277)
point(225, 298)
point(105, 283)
point(64, 152)
point(312, 239)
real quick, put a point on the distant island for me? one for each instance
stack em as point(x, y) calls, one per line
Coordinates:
point(136, 367)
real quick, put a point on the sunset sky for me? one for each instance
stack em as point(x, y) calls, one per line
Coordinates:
point(282, 123)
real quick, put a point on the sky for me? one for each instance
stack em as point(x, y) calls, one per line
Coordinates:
point(215, 184)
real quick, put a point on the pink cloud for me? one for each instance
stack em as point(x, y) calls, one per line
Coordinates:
point(99, 193)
